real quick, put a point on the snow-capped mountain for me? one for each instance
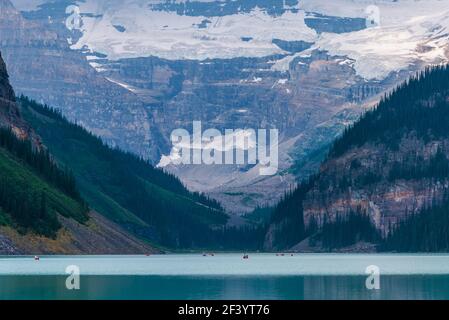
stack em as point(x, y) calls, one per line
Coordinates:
point(307, 68)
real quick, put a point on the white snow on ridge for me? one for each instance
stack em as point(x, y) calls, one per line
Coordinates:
point(172, 36)
point(410, 32)
point(381, 50)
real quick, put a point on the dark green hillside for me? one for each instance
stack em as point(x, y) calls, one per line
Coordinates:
point(33, 190)
point(127, 189)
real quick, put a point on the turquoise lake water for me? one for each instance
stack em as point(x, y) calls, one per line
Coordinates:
point(226, 276)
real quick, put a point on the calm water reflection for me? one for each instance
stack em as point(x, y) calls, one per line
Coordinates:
point(226, 287)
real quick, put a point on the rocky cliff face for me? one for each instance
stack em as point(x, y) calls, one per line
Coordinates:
point(386, 201)
point(6, 91)
point(9, 112)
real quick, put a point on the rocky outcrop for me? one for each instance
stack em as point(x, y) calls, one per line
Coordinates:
point(7, 248)
point(386, 202)
point(9, 112)
point(6, 91)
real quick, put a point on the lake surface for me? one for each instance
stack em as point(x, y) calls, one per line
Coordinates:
point(226, 276)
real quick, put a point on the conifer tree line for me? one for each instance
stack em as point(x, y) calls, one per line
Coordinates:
point(437, 168)
point(288, 216)
point(40, 161)
point(347, 230)
point(26, 209)
point(24, 202)
point(423, 231)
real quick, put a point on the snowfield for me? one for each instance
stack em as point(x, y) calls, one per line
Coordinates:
point(410, 32)
point(172, 36)
point(402, 39)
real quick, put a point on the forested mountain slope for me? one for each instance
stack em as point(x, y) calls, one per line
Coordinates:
point(384, 182)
